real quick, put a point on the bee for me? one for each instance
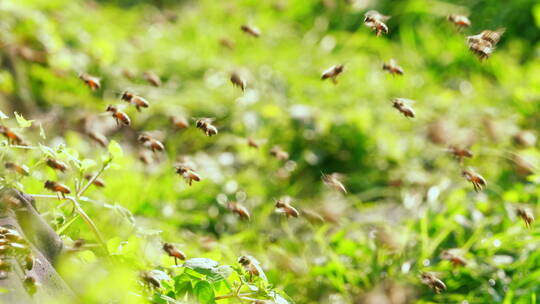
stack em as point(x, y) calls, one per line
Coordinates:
point(525, 139)
point(180, 122)
point(119, 116)
point(402, 105)
point(12, 137)
point(57, 165)
point(205, 124)
point(333, 181)
point(453, 256)
point(460, 153)
point(57, 187)
point(283, 205)
point(433, 282)
point(238, 81)
point(333, 72)
point(30, 284)
point(278, 153)
point(152, 78)
point(239, 209)
point(187, 173)
point(252, 143)
point(476, 179)
point(173, 252)
point(526, 215)
point(227, 43)
point(146, 157)
point(484, 43)
point(376, 21)
point(20, 169)
point(92, 82)
point(135, 100)
point(460, 21)
point(252, 266)
point(100, 138)
point(29, 262)
point(98, 182)
point(150, 142)
point(149, 279)
point(128, 74)
point(250, 30)
point(313, 216)
point(392, 67)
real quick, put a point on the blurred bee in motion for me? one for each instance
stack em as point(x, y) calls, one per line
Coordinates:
point(334, 181)
point(402, 105)
point(284, 206)
point(179, 121)
point(252, 266)
point(392, 67)
point(119, 116)
point(12, 137)
point(19, 169)
point(127, 73)
point(151, 143)
point(460, 153)
point(98, 182)
point(252, 143)
point(150, 280)
point(312, 216)
point(376, 21)
point(146, 157)
point(333, 72)
point(99, 138)
point(250, 30)
point(433, 282)
point(453, 255)
point(526, 215)
point(476, 179)
point(57, 165)
point(57, 187)
point(173, 252)
point(187, 173)
point(525, 139)
point(237, 80)
point(152, 78)
point(228, 43)
point(92, 82)
point(460, 21)
point(484, 43)
point(135, 100)
point(205, 124)
point(278, 153)
point(239, 209)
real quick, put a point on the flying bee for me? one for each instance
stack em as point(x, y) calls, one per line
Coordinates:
point(402, 105)
point(119, 116)
point(187, 173)
point(476, 179)
point(454, 257)
point(92, 82)
point(100, 138)
point(252, 143)
point(57, 187)
point(334, 181)
point(460, 21)
point(20, 169)
point(526, 215)
point(98, 182)
point(376, 21)
point(250, 30)
point(135, 100)
point(237, 80)
point(152, 78)
point(484, 43)
point(57, 165)
point(333, 72)
point(278, 153)
point(460, 153)
point(283, 205)
point(150, 142)
point(173, 252)
point(392, 67)
point(525, 139)
point(432, 282)
point(312, 216)
point(146, 157)
point(252, 266)
point(228, 43)
point(149, 279)
point(205, 124)
point(239, 209)
point(12, 137)
point(180, 122)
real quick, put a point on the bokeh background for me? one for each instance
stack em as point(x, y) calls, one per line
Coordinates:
point(406, 200)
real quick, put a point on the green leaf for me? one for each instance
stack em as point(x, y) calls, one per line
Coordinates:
point(204, 292)
point(87, 164)
point(115, 149)
point(220, 273)
point(201, 264)
point(182, 285)
point(22, 122)
point(42, 132)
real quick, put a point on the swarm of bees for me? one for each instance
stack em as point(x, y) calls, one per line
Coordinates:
point(484, 43)
point(526, 215)
point(174, 252)
point(205, 124)
point(15, 249)
point(283, 206)
point(151, 143)
point(334, 181)
point(99, 138)
point(404, 107)
point(20, 169)
point(252, 266)
point(453, 255)
point(460, 153)
point(12, 137)
point(135, 100)
point(433, 282)
point(57, 187)
point(476, 179)
point(239, 209)
point(187, 173)
point(251, 30)
point(152, 78)
point(333, 72)
point(56, 164)
point(460, 21)
point(237, 80)
point(392, 67)
point(98, 182)
point(376, 22)
point(119, 116)
point(278, 153)
point(92, 82)
point(179, 122)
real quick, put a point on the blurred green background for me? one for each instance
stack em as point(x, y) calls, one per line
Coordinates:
point(406, 200)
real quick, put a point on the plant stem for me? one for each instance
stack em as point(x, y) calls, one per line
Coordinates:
point(235, 295)
point(92, 179)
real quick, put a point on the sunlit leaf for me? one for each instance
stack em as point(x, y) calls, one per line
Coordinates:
point(22, 122)
point(115, 149)
point(204, 292)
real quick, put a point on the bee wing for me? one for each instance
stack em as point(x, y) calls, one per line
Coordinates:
point(257, 266)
